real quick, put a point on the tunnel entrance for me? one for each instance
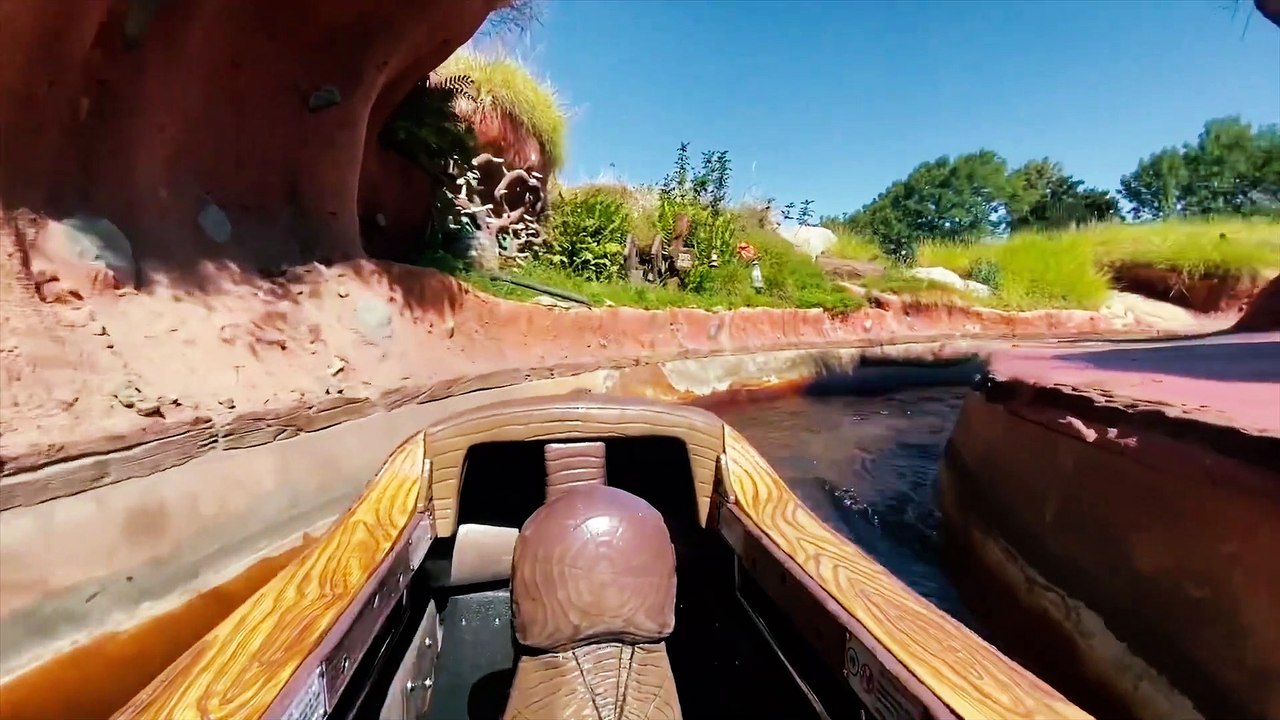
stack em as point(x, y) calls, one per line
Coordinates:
point(403, 205)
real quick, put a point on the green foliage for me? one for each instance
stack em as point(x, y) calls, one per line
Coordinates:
point(701, 196)
point(1070, 268)
point(427, 131)
point(803, 215)
point(1041, 196)
point(501, 84)
point(1194, 246)
point(1230, 169)
point(987, 272)
point(853, 247)
point(586, 243)
point(1039, 270)
point(795, 280)
point(948, 200)
point(587, 235)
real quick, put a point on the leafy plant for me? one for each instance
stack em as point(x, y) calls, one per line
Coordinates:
point(427, 131)
point(588, 234)
point(985, 271)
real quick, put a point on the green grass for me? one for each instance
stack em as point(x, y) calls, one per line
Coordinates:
point(855, 247)
point(504, 85)
point(1064, 270)
point(1193, 247)
point(1070, 269)
point(791, 280)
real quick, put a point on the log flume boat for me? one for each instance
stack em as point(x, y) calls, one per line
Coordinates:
point(588, 556)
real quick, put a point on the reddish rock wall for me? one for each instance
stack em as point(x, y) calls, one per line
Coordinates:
point(210, 104)
point(1263, 311)
point(1144, 483)
point(117, 370)
point(1209, 293)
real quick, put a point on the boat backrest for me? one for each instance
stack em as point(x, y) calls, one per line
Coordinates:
point(572, 465)
point(574, 417)
point(593, 596)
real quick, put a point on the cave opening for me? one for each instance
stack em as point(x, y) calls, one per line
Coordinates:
point(406, 214)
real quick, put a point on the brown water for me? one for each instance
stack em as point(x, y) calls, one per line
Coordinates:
point(868, 467)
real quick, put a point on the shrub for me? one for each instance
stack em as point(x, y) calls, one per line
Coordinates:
point(1038, 271)
point(587, 236)
point(985, 271)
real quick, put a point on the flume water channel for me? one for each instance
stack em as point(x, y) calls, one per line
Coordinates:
point(867, 465)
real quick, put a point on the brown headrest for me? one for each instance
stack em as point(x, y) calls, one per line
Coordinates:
point(594, 564)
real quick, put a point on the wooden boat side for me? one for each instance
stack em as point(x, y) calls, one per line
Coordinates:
point(967, 674)
point(240, 668)
point(567, 418)
point(256, 657)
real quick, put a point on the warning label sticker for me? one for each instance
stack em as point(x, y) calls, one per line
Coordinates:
point(879, 690)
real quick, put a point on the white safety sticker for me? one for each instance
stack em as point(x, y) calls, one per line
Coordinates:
point(879, 690)
point(310, 703)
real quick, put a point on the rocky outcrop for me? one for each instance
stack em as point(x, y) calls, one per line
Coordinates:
point(212, 130)
point(1127, 496)
point(1263, 311)
point(1270, 10)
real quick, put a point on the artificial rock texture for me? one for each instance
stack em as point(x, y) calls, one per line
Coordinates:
point(1143, 481)
point(182, 195)
point(215, 131)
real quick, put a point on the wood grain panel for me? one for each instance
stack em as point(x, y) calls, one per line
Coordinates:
point(237, 670)
point(567, 419)
point(973, 678)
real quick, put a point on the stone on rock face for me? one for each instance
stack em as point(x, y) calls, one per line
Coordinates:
point(947, 277)
point(214, 222)
point(325, 97)
point(482, 251)
point(82, 255)
point(809, 239)
point(373, 319)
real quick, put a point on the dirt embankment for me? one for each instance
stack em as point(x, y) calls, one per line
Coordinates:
point(1263, 311)
point(1208, 293)
point(122, 368)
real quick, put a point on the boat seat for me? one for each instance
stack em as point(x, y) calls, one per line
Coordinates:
point(593, 596)
point(573, 465)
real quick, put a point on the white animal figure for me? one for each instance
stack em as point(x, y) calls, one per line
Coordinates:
point(809, 239)
point(947, 277)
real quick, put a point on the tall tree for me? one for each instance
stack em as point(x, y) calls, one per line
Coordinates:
point(958, 200)
point(1042, 196)
point(1154, 189)
point(1229, 169)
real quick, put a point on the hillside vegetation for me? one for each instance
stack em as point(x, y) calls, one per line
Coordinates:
point(1035, 235)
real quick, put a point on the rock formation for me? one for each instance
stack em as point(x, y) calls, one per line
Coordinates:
point(211, 129)
point(1270, 10)
point(1263, 311)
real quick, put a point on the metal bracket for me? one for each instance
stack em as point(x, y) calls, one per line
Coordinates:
point(411, 689)
point(342, 659)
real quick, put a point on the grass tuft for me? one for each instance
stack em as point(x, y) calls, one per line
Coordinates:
point(502, 84)
point(1071, 268)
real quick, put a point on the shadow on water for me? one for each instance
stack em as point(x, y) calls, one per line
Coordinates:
point(862, 450)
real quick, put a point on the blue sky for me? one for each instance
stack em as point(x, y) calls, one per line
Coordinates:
point(834, 100)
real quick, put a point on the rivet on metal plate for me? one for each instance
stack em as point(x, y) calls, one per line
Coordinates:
point(344, 665)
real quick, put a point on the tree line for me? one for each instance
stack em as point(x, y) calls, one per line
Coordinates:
point(1231, 168)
